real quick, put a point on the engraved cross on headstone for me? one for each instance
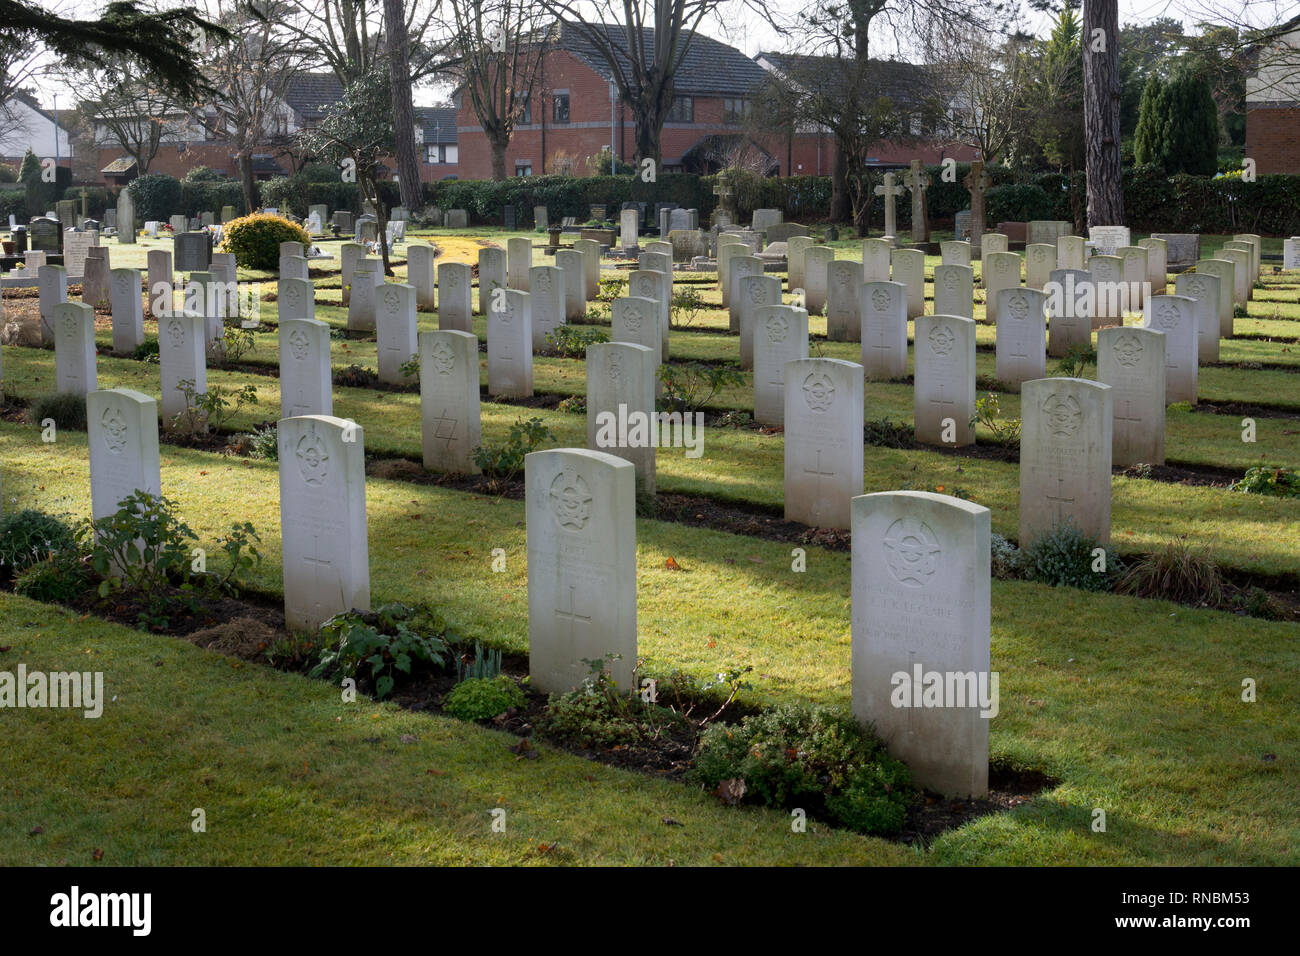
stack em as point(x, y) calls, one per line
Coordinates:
point(1060, 501)
point(1126, 417)
point(888, 189)
point(941, 402)
point(818, 474)
point(317, 562)
point(571, 615)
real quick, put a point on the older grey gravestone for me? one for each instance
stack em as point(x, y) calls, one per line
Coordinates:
point(519, 259)
point(395, 331)
point(66, 213)
point(780, 336)
point(1000, 270)
point(419, 273)
point(122, 440)
point(889, 191)
point(74, 348)
point(921, 612)
point(228, 213)
point(1182, 249)
point(161, 283)
point(1021, 346)
point(1204, 289)
point(491, 275)
point(621, 418)
point(581, 520)
point(875, 260)
point(629, 229)
point(366, 275)
point(182, 357)
point(571, 264)
point(944, 380)
point(843, 295)
point(908, 268)
point(1132, 362)
point(179, 224)
point(546, 295)
point(95, 275)
point(1047, 231)
point(449, 404)
point(324, 541)
point(1065, 457)
point(292, 249)
point(954, 290)
point(1069, 311)
point(510, 344)
point(305, 383)
point(192, 251)
point(455, 297)
point(753, 293)
point(823, 440)
point(52, 284)
point(125, 218)
point(319, 211)
point(884, 329)
point(343, 218)
point(1176, 316)
point(45, 235)
point(76, 246)
point(367, 230)
point(541, 220)
point(128, 310)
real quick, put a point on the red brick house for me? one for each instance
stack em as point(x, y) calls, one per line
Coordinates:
point(1273, 106)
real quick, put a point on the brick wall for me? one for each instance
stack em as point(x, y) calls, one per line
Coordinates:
point(1273, 139)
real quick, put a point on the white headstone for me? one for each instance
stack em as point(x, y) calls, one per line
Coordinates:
point(629, 226)
point(293, 267)
point(843, 293)
point(52, 284)
point(993, 242)
point(1106, 240)
point(621, 405)
point(128, 310)
point(581, 518)
point(1021, 336)
point(455, 296)
point(884, 329)
point(754, 291)
point(510, 345)
point(182, 357)
point(590, 250)
point(519, 260)
point(1135, 272)
point(1131, 361)
point(795, 247)
point(875, 260)
point(366, 275)
point(350, 253)
point(546, 285)
point(161, 282)
point(636, 321)
point(780, 335)
point(739, 267)
point(954, 290)
point(395, 331)
point(122, 437)
point(295, 299)
point(419, 273)
point(1071, 253)
point(1001, 270)
point(1240, 274)
point(1204, 289)
point(909, 269)
point(954, 252)
point(305, 383)
point(74, 348)
point(1040, 260)
point(1111, 298)
point(491, 275)
point(823, 440)
point(651, 284)
point(1069, 311)
point(1291, 253)
point(570, 262)
point(449, 403)
point(125, 218)
point(1157, 263)
point(816, 266)
point(324, 542)
point(1224, 271)
point(728, 245)
point(1176, 316)
point(944, 380)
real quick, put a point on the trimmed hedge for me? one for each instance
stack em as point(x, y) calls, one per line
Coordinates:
point(567, 195)
point(157, 197)
point(1269, 206)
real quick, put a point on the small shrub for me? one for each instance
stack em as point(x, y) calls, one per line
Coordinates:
point(686, 305)
point(1277, 482)
point(356, 376)
point(610, 289)
point(1074, 363)
point(810, 757)
point(67, 409)
point(210, 409)
point(735, 418)
point(888, 434)
point(482, 698)
point(265, 443)
point(503, 462)
point(571, 341)
point(1240, 311)
point(383, 644)
point(146, 351)
point(1063, 557)
point(1005, 558)
point(600, 714)
point(1259, 603)
point(141, 549)
point(29, 536)
point(235, 342)
point(1177, 572)
point(988, 412)
point(156, 196)
point(573, 405)
point(689, 387)
point(255, 240)
point(58, 578)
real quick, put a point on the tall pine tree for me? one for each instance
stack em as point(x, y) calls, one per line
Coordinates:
point(1178, 125)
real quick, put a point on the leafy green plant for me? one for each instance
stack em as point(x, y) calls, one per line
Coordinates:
point(141, 549)
point(255, 240)
point(1074, 363)
point(264, 442)
point(810, 757)
point(608, 290)
point(1063, 557)
point(888, 434)
point(1179, 572)
point(235, 343)
point(67, 409)
point(689, 387)
point(735, 418)
point(573, 405)
point(377, 646)
point(601, 714)
point(356, 376)
point(1005, 559)
point(210, 409)
point(1240, 311)
point(1277, 482)
point(686, 305)
point(482, 698)
point(988, 412)
point(571, 341)
point(146, 351)
point(486, 663)
point(60, 578)
point(411, 369)
point(504, 462)
point(29, 536)
point(239, 545)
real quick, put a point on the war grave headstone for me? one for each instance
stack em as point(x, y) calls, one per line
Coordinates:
point(182, 357)
point(1110, 292)
point(1071, 253)
point(1157, 263)
point(419, 274)
point(921, 605)
point(1107, 240)
point(884, 329)
point(1040, 260)
point(621, 405)
point(909, 270)
point(739, 267)
point(1069, 311)
point(455, 295)
point(122, 442)
point(823, 440)
point(1247, 272)
point(128, 310)
point(629, 229)
point(954, 290)
point(1001, 270)
point(652, 284)
point(1291, 253)
point(52, 287)
point(161, 282)
point(1134, 270)
point(74, 348)
point(1258, 246)
point(753, 293)
point(1021, 336)
point(1176, 316)
point(510, 345)
point(780, 336)
point(306, 387)
point(581, 528)
point(944, 380)
point(1241, 281)
point(816, 271)
point(954, 252)
point(795, 247)
point(546, 285)
point(590, 250)
point(1224, 271)
point(1131, 360)
point(994, 242)
point(366, 273)
point(519, 259)
point(449, 400)
point(875, 260)
point(843, 295)
point(1204, 289)
point(395, 331)
point(491, 275)
point(571, 264)
point(1065, 457)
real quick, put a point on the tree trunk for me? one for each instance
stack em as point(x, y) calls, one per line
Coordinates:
point(399, 74)
point(251, 198)
point(499, 144)
point(841, 203)
point(1101, 89)
point(381, 221)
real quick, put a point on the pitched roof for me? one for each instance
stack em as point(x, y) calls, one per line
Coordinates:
point(310, 93)
point(123, 164)
point(899, 80)
point(439, 123)
point(709, 66)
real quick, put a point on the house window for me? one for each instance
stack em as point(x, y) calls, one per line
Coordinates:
point(523, 169)
point(735, 111)
point(525, 110)
point(431, 153)
point(561, 101)
point(683, 110)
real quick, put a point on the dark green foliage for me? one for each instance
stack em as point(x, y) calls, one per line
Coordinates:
point(813, 758)
point(1019, 202)
point(486, 664)
point(157, 196)
point(1278, 482)
point(29, 536)
point(67, 409)
point(1074, 363)
point(356, 376)
point(600, 714)
point(482, 698)
point(688, 387)
point(146, 351)
point(571, 341)
point(885, 433)
point(380, 645)
point(504, 462)
point(59, 578)
point(1063, 557)
point(1178, 125)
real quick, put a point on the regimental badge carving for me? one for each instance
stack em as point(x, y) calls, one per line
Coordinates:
point(123, 286)
point(313, 457)
point(299, 344)
point(632, 319)
point(614, 370)
point(70, 323)
point(1064, 416)
point(1128, 350)
point(1039, 255)
point(292, 295)
point(570, 500)
point(777, 329)
point(1003, 267)
point(1196, 288)
point(114, 426)
point(950, 282)
point(941, 339)
point(452, 278)
point(543, 282)
point(911, 552)
point(176, 333)
point(1018, 307)
point(818, 391)
point(880, 300)
point(391, 300)
point(442, 358)
point(756, 294)
point(645, 287)
point(1167, 316)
